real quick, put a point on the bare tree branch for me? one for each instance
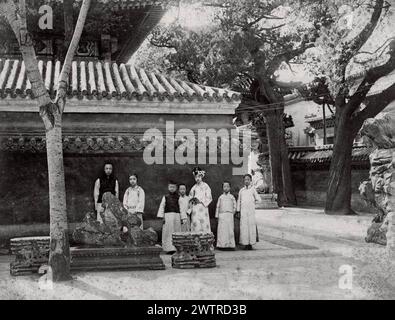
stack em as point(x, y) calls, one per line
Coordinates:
point(357, 43)
point(64, 74)
point(370, 79)
point(375, 104)
point(287, 56)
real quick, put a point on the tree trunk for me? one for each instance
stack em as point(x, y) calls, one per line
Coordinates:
point(338, 200)
point(279, 162)
point(59, 258)
point(286, 168)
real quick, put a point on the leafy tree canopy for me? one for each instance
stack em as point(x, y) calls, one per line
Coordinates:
point(247, 39)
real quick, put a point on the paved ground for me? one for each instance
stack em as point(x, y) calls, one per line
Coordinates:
point(302, 254)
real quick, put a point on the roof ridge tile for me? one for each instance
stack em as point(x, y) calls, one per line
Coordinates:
point(100, 79)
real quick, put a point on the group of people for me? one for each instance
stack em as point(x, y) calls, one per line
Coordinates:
point(182, 212)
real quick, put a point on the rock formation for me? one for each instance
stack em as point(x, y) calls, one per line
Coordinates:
point(119, 228)
point(380, 189)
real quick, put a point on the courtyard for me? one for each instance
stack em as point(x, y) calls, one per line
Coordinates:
point(294, 259)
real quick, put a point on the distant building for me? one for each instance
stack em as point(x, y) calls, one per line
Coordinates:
point(310, 156)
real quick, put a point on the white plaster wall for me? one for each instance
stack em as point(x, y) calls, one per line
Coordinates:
point(298, 111)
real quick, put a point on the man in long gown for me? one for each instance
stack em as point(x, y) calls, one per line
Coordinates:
point(200, 195)
point(246, 209)
point(169, 211)
point(106, 183)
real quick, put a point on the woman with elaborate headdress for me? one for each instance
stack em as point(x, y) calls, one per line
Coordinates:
point(200, 195)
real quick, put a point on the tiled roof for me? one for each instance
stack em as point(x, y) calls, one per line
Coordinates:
point(323, 155)
point(98, 80)
point(130, 3)
point(318, 122)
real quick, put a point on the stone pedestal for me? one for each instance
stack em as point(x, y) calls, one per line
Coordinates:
point(115, 244)
point(194, 250)
point(33, 252)
point(96, 259)
point(268, 201)
point(30, 253)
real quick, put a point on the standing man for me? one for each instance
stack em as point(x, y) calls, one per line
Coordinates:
point(248, 196)
point(106, 183)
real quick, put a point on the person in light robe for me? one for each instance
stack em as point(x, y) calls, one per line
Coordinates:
point(106, 183)
point(200, 196)
point(246, 212)
point(169, 211)
point(184, 207)
point(226, 209)
point(134, 198)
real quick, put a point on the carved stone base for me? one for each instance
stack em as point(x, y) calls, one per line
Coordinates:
point(95, 259)
point(268, 201)
point(33, 252)
point(194, 250)
point(30, 253)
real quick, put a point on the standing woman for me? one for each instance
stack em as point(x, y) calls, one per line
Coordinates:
point(134, 198)
point(200, 195)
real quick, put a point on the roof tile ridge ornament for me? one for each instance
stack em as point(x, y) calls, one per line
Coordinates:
point(48, 76)
point(191, 93)
point(110, 83)
point(86, 144)
point(102, 91)
point(121, 88)
point(21, 80)
point(155, 82)
point(12, 78)
point(201, 93)
point(56, 76)
point(132, 92)
point(212, 93)
point(173, 92)
point(181, 91)
point(135, 77)
point(147, 83)
point(3, 75)
point(92, 80)
point(83, 82)
point(224, 94)
point(74, 79)
point(28, 89)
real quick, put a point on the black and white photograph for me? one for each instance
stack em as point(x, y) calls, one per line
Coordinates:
point(197, 154)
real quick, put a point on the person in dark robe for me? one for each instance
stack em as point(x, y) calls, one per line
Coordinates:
point(169, 211)
point(106, 183)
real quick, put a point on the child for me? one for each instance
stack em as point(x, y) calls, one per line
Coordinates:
point(169, 211)
point(246, 211)
point(184, 205)
point(134, 198)
point(226, 208)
